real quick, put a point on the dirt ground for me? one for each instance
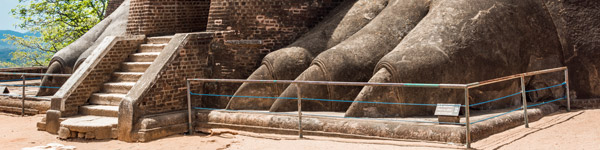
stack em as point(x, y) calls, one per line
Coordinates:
point(573, 130)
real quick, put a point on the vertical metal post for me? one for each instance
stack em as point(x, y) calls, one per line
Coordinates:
point(189, 102)
point(524, 97)
point(23, 100)
point(468, 121)
point(299, 110)
point(568, 92)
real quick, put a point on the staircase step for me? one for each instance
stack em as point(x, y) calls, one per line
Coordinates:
point(127, 76)
point(145, 48)
point(135, 66)
point(88, 127)
point(159, 39)
point(143, 57)
point(110, 99)
point(117, 87)
point(99, 110)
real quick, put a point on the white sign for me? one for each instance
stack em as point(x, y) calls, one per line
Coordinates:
point(447, 109)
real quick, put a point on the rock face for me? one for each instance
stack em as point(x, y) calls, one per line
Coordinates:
point(456, 41)
point(288, 63)
point(352, 59)
point(577, 25)
point(459, 49)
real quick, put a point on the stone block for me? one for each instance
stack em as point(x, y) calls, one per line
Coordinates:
point(90, 135)
point(448, 119)
point(64, 133)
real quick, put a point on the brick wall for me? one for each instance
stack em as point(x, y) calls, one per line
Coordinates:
point(166, 17)
point(99, 74)
point(276, 23)
point(112, 6)
point(169, 91)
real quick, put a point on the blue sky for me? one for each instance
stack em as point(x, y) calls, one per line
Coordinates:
point(7, 22)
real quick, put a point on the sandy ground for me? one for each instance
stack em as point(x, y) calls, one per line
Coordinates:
point(572, 130)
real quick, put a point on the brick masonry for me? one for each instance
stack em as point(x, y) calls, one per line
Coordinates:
point(100, 74)
point(169, 91)
point(167, 17)
point(276, 23)
point(112, 6)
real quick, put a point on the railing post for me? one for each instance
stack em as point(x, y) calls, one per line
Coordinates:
point(524, 97)
point(567, 92)
point(468, 121)
point(23, 100)
point(299, 110)
point(189, 103)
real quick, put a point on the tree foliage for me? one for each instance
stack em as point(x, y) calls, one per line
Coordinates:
point(58, 22)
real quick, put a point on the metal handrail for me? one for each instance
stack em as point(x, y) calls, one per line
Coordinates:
point(23, 75)
point(34, 74)
point(465, 87)
point(424, 85)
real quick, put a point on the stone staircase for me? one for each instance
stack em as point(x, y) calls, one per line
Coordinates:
point(98, 118)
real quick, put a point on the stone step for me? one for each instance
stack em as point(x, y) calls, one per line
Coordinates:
point(143, 57)
point(146, 48)
point(99, 110)
point(110, 99)
point(88, 127)
point(126, 76)
point(159, 40)
point(117, 87)
point(135, 66)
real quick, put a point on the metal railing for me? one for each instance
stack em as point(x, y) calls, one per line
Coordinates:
point(24, 79)
point(465, 87)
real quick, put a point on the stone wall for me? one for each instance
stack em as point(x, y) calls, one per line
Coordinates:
point(167, 17)
point(96, 70)
point(112, 6)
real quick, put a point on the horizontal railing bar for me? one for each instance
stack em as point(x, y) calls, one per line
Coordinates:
point(492, 81)
point(34, 74)
point(545, 71)
point(424, 85)
point(506, 78)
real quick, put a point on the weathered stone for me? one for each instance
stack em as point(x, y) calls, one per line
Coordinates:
point(354, 58)
point(430, 54)
point(64, 133)
point(81, 135)
point(90, 135)
point(73, 134)
point(103, 133)
point(288, 63)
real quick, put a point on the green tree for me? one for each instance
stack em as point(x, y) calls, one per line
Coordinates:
point(58, 22)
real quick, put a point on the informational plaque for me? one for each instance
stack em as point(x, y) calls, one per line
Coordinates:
point(447, 109)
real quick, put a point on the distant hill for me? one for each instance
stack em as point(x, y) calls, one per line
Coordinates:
point(5, 48)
